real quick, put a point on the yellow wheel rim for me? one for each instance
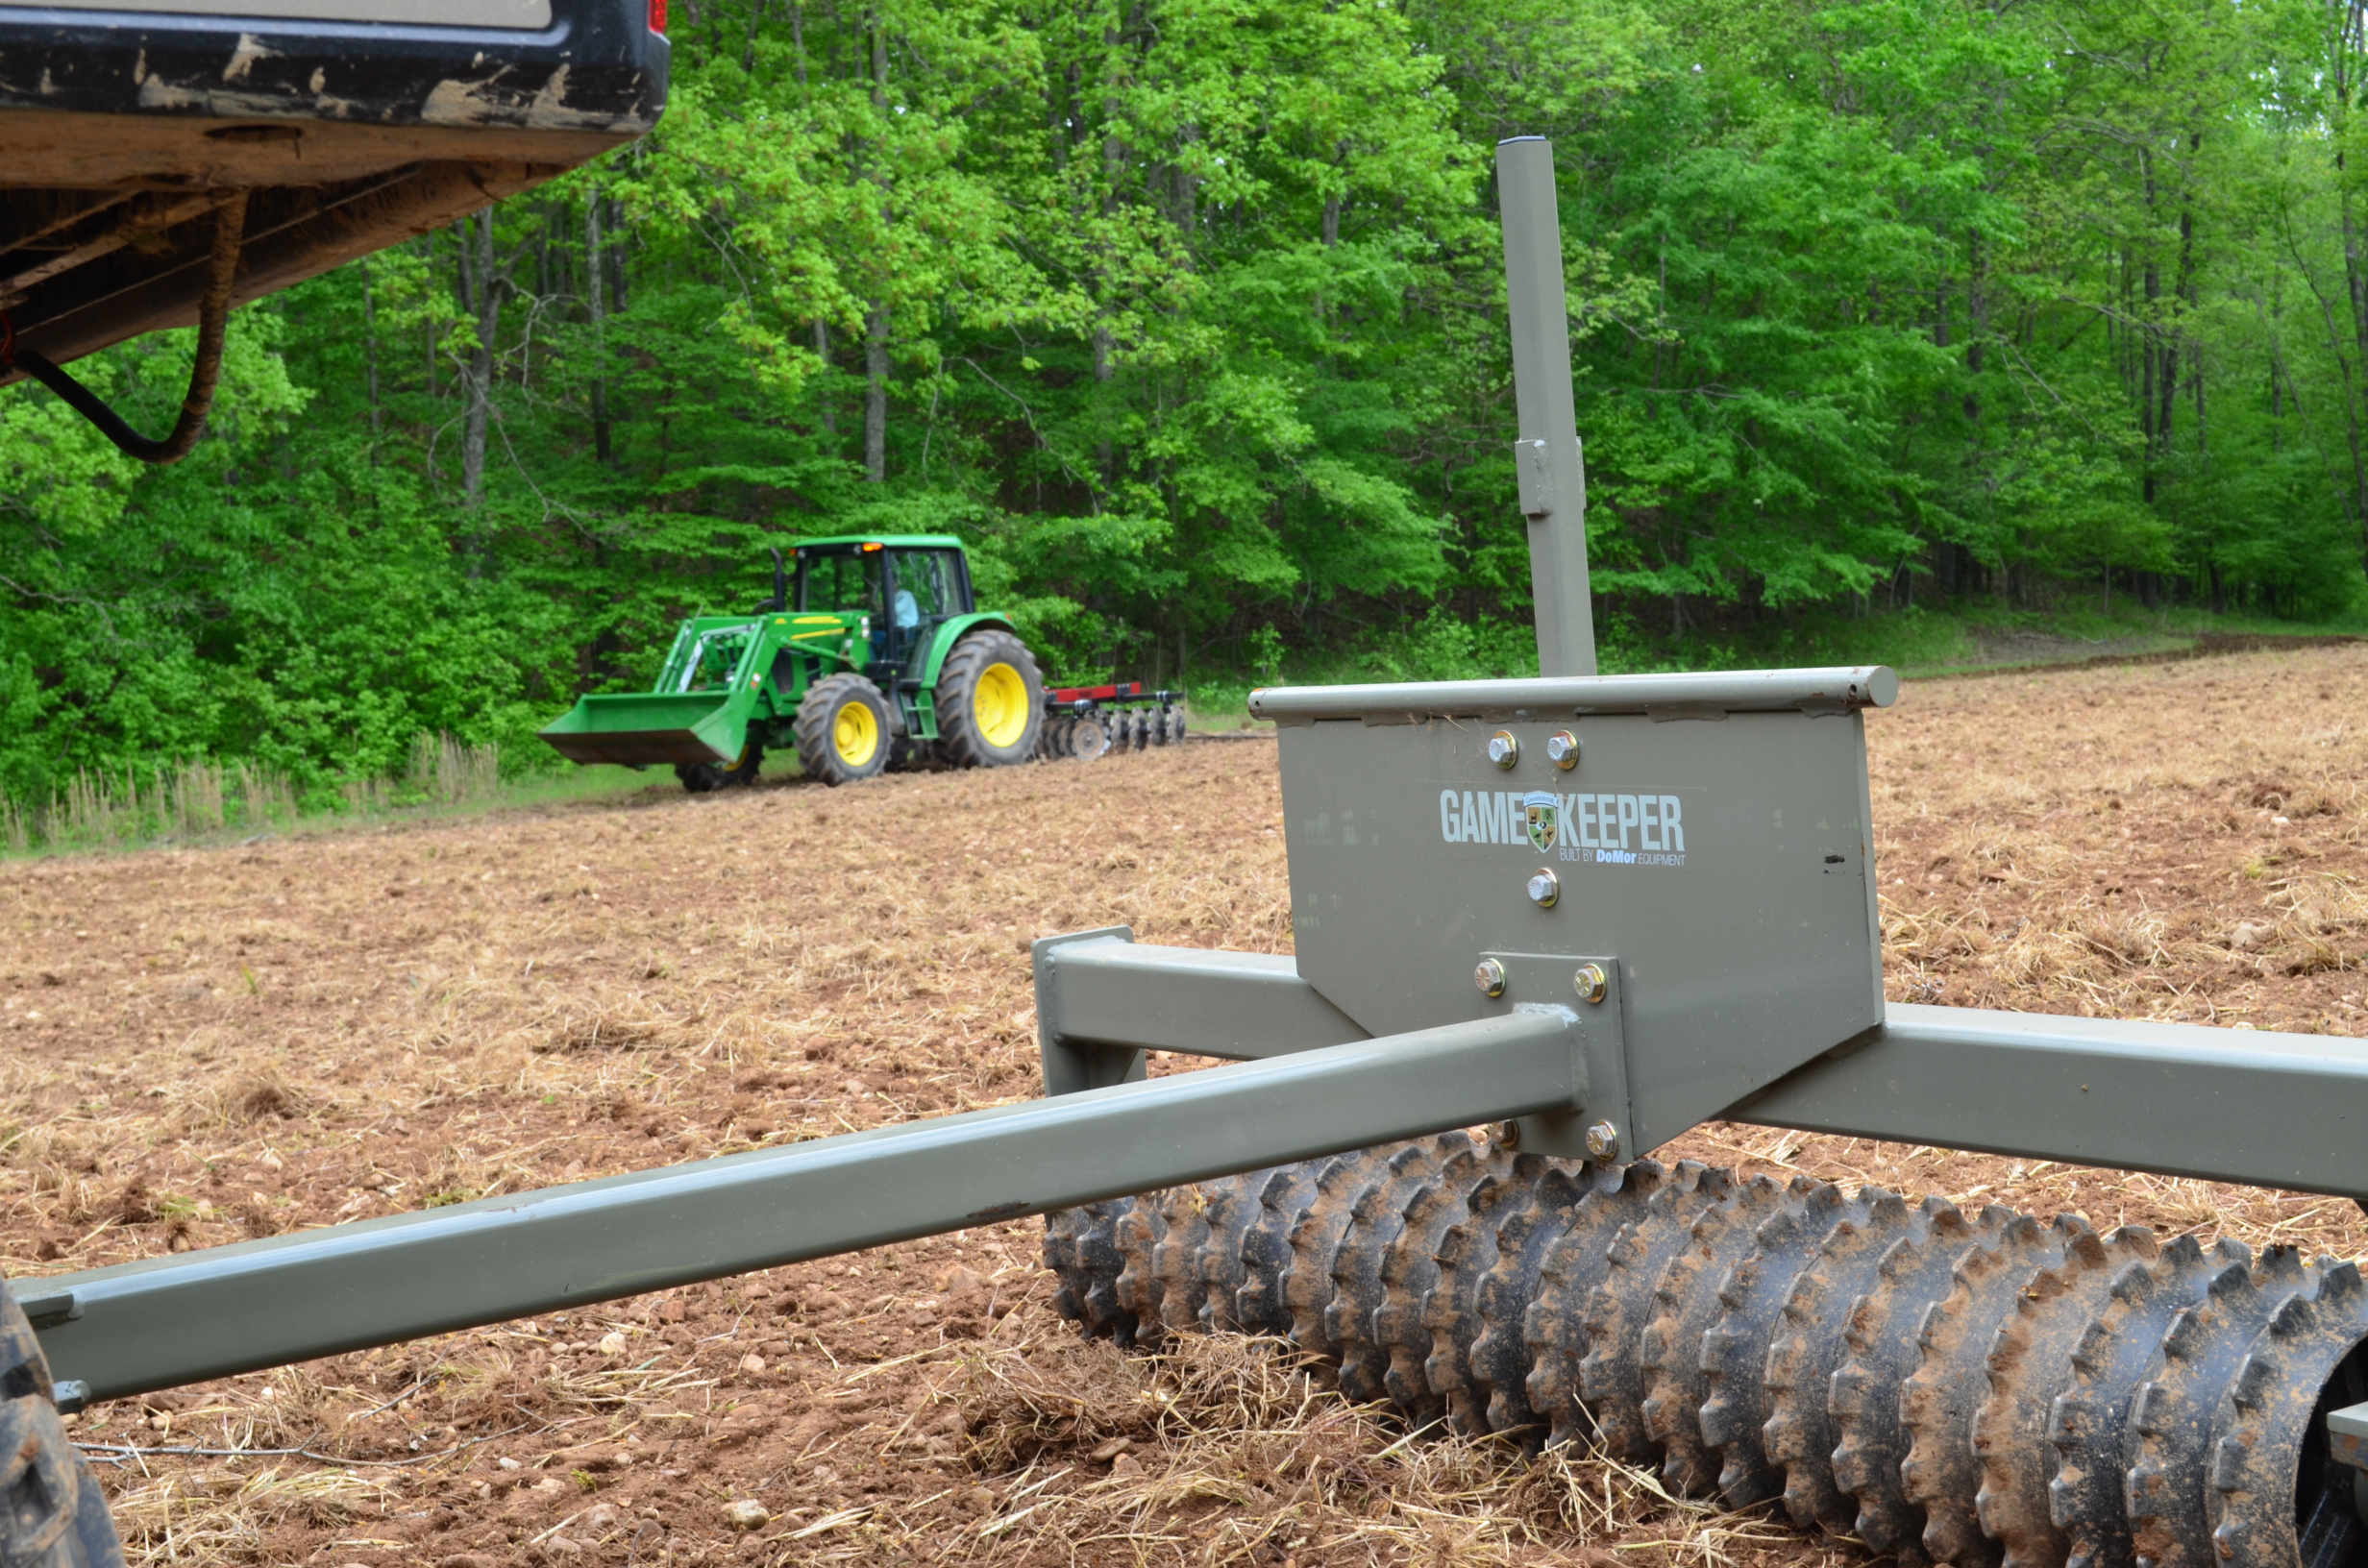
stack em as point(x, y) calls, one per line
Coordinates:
point(999, 705)
point(854, 734)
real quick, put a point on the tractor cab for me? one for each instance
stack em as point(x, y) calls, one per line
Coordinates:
point(901, 590)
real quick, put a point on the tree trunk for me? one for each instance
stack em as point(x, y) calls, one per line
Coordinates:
point(875, 394)
point(876, 319)
point(433, 384)
point(370, 355)
point(1977, 324)
point(484, 302)
point(822, 346)
point(2151, 368)
point(612, 244)
point(748, 45)
point(595, 299)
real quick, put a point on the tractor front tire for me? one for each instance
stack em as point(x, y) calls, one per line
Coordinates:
point(51, 1513)
point(844, 730)
point(990, 701)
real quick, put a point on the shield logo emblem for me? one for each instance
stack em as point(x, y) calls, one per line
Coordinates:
point(1544, 815)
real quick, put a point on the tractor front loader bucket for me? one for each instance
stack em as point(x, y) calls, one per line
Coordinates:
point(638, 729)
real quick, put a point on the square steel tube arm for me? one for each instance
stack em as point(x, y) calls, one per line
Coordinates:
point(2179, 1099)
point(164, 1321)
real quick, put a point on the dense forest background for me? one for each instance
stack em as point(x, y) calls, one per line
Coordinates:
point(1188, 314)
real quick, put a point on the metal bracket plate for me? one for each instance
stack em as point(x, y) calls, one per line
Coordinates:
point(1547, 980)
point(1727, 862)
point(1071, 1065)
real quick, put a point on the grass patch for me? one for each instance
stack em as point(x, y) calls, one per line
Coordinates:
point(204, 802)
point(1920, 644)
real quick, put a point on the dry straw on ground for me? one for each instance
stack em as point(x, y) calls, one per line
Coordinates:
point(202, 1046)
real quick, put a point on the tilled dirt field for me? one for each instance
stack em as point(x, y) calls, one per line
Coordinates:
point(204, 1046)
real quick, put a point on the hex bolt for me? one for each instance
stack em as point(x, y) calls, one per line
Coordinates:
point(1504, 749)
point(1490, 977)
point(1506, 1135)
point(1589, 982)
point(1603, 1141)
point(1562, 749)
point(1544, 888)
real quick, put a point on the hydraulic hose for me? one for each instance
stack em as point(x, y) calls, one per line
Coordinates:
point(213, 312)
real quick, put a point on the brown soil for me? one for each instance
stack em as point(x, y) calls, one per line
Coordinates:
point(203, 1046)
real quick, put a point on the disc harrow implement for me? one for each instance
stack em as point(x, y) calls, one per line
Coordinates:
point(1970, 1388)
point(1090, 721)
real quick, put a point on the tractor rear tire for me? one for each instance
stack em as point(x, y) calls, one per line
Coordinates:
point(990, 701)
point(844, 730)
point(51, 1513)
point(702, 778)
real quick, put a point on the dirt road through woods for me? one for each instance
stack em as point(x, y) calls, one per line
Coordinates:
point(205, 1046)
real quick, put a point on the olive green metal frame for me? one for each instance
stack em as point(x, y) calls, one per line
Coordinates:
point(135, 1327)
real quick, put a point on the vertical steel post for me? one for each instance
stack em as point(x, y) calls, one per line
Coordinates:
point(1553, 476)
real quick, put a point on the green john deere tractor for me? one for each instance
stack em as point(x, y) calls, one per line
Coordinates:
point(871, 654)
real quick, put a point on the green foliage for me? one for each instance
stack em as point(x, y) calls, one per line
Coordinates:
point(1187, 317)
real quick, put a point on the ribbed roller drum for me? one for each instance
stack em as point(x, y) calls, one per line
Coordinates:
point(1573, 1255)
point(2167, 1493)
point(1411, 1275)
point(1735, 1347)
point(1952, 1379)
point(1360, 1288)
point(1341, 1185)
point(1871, 1441)
point(1283, 1201)
point(1808, 1346)
point(2279, 1500)
point(1611, 1376)
point(2089, 1422)
point(1979, 1390)
point(2030, 1364)
point(1506, 1205)
point(1685, 1304)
